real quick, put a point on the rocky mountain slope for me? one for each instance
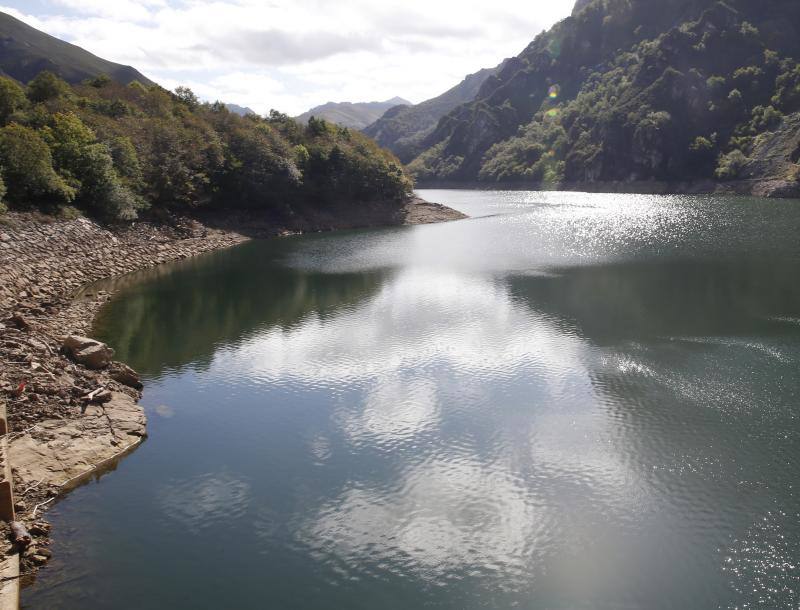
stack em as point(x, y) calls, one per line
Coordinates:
point(25, 52)
point(635, 91)
point(403, 128)
point(352, 115)
point(240, 110)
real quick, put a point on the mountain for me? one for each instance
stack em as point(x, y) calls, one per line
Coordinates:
point(355, 116)
point(240, 110)
point(403, 128)
point(636, 91)
point(580, 5)
point(25, 51)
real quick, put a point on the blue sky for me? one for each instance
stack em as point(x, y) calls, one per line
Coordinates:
point(295, 54)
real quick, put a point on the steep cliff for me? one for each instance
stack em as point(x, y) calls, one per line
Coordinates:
point(629, 90)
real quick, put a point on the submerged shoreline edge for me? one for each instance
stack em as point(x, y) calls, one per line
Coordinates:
point(56, 439)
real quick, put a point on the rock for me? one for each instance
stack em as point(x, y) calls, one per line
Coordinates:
point(122, 373)
point(39, 559)
point(88, 352)
point(40, 529)
point(103, 397)
point(17, 321)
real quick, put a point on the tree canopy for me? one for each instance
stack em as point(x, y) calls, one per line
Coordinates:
point(113, 150)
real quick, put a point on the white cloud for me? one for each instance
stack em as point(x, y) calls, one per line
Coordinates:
point(295, 54)
point(117, 10)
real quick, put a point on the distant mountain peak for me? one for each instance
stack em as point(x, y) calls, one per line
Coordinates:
point(240, 110)
point(356, 115)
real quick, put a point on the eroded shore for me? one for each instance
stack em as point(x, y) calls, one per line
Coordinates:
point(68, 420)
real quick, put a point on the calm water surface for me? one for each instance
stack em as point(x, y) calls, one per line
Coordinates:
point(567, 401)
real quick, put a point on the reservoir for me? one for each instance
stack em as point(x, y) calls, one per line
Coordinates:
point(566, 401)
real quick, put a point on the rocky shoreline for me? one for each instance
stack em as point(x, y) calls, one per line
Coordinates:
point(71, 409)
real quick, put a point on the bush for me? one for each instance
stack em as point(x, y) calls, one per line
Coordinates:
point(46, 86)
point(12, 98)
point(731, 165)
point(701, 145)
point(101, 191)
point(69, 212)
point(28, 169)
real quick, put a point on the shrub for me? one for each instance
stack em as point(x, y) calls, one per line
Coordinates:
point(28, 168)
point(731, 165)
point(46, 86)
point(12, 98)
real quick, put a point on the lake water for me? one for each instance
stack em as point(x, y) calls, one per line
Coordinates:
point(567, 401)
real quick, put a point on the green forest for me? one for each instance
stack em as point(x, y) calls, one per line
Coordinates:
point(629, 90)
point(112, 151)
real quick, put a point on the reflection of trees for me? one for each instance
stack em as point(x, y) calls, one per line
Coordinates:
point(176, 314)
point(632, 301)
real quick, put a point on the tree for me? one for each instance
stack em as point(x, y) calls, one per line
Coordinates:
point(186, 96)
point(731, 165)
point(12, 98)
point(126, 159)
point(99, 81)
point(101, 191)
point(28, 168)
point(260, 170)
point(46, 86)
point(67, 137)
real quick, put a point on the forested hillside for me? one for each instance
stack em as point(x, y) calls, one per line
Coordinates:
point(403, 129)
point(112, 150)
point(634, 90)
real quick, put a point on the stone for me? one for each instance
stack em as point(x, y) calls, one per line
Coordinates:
point(17, 321)
point(77, 446)
point(122, 373)
point(40, 529)
point(103, 397)
point(88, 352)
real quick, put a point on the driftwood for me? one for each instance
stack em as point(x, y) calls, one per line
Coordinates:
point(40, 505)
point(19, 534)
point(100, 395)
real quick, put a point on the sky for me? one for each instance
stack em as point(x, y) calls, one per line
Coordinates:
point(292, 55)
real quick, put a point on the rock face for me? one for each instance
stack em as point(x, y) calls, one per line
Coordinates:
point(88, 352)
point(60, 451)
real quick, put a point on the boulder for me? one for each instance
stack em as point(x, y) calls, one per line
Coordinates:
point(88, 352)
point(122, 373)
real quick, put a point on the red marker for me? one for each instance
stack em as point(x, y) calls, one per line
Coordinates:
point(20, 388)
